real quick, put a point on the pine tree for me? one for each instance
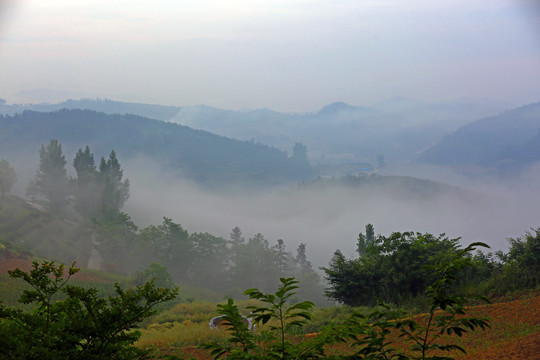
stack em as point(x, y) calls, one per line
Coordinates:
point(115, 190)
point(51, 178)
point(84, 163)
point(236, 236)
point(87, 188)
point(301, 259)
point(281, 257)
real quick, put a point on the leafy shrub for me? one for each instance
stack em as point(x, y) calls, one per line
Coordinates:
point(83, 325)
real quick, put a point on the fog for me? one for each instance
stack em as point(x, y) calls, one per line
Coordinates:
point(292, 55)
point(330, 217)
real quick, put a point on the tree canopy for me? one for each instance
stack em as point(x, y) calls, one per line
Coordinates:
point(392, 268)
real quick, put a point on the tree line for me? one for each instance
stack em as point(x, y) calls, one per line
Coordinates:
point(205, 260)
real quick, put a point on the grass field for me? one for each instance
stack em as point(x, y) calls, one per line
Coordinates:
point(514, 334)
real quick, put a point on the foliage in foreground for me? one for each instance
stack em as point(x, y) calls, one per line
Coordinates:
point(370, 336)
point(72, 322)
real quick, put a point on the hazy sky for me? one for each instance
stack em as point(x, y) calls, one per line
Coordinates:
point(290, 55)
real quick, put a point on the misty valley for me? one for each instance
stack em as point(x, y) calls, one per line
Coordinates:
point(318, 227)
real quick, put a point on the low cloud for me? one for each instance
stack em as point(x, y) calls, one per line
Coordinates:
point(330, 217)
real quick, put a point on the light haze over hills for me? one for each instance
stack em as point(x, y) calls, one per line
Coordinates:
point(326, 216)
point(338, 133)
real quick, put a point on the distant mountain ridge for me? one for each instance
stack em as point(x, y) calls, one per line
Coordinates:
point(157, 112)
point(198, 155)
point(508, 139)
point(338, 133)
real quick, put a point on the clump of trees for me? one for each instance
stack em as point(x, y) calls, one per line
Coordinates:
point(392, 268)
point(206, 260)
point(98, 193)
point(398, 268)
point(519, 268)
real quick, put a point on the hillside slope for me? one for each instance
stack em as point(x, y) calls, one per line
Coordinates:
point(198, 155)
point(484, 141)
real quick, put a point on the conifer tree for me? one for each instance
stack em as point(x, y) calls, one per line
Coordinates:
point(301, 259)
point(51, 178)
point(87, 188)
point(115, 190)
point(236, 236)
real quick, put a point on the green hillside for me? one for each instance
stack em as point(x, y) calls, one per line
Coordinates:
point(201, 156)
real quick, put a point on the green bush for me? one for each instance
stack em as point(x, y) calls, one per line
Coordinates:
point(73, 322)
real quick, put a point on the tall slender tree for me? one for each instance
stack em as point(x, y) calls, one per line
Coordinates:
point(301, 259)
point(115, 189)
point(51, 178)
point(87, 187)
point(282, 258)
point(366, 240)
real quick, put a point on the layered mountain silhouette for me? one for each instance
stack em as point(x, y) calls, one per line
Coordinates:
point(508, 140)
point(338, 133)
point(195, 154)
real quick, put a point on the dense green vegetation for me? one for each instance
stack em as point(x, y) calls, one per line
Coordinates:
point(398, 268)
point(515, 270)
point(80, 324)
point(192, 259)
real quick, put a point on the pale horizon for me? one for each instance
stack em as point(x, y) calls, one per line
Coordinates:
point(288, 56)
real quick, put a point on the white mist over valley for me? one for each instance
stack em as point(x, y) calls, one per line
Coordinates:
point(330, 218)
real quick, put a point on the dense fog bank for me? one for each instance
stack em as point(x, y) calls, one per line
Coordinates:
point(330, 217)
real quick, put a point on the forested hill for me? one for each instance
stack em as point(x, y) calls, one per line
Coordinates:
point(496, 142)
point(195, 154)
